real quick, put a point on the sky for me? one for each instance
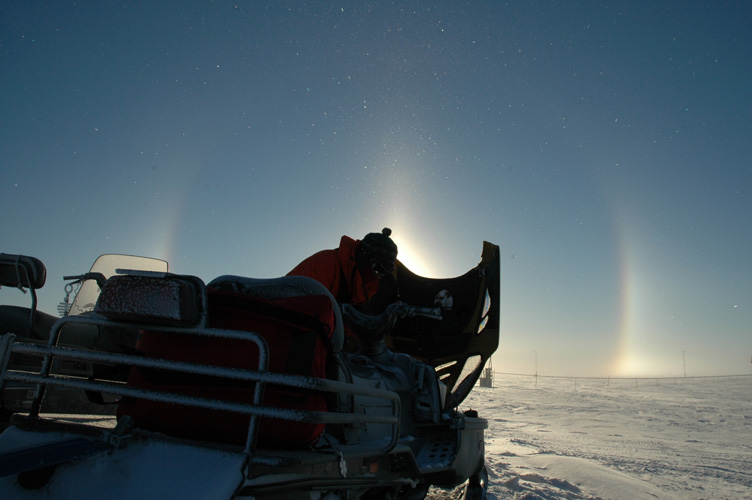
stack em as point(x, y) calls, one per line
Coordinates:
point(603, 145)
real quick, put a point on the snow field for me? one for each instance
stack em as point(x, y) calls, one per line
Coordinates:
point(681, 438)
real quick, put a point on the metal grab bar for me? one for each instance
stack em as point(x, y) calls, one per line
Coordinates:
point(311, 416)
point(283, 379)
point(260, 377)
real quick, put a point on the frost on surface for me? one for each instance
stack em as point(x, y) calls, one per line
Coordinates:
point(147, 298)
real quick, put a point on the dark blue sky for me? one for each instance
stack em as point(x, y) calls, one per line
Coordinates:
point(605, 146)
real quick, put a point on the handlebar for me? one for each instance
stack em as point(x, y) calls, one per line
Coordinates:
point(405, 310)
point(371, 330)
point(80, 278)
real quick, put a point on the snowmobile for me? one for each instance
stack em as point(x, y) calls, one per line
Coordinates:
point(154, 384)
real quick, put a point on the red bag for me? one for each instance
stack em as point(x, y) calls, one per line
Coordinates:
point(296, 330)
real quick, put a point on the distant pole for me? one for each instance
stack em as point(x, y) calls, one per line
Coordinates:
point(536, 368)
point(684, 362)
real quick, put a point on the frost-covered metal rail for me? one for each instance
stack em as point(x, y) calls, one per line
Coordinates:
point(257, 377)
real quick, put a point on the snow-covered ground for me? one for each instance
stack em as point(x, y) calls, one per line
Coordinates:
point(681, 438)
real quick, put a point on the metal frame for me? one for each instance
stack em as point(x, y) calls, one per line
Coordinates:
point(259, 377)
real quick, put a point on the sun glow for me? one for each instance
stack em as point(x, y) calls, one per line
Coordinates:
point(413, 259)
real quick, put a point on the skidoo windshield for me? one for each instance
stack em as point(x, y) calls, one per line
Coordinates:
point(109, 265)
point(459, 345)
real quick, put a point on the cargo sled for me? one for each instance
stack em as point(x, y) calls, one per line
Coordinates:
point(157, 385)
